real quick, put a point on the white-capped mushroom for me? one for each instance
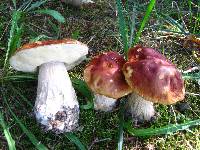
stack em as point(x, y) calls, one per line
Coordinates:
point(56, 106)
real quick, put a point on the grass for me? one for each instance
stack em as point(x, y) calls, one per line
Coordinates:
point(165, 29)
point(31, 136)
point(11, 142)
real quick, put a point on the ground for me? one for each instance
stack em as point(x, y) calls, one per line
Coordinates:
point(97, 26)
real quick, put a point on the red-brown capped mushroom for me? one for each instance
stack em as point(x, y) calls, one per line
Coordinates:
point(139, 52)
point(153, 78)
point(105, 78)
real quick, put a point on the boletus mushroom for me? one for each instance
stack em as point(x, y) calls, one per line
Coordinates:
point(105, 78)
point(153, 79)
point(56, 106)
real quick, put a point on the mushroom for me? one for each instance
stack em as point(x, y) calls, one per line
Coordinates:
point(77, 3)
point(154, 79)
point(105, 78)
point(56, 106)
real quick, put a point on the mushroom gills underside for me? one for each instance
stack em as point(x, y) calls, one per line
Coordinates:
point(139, 109)
point(56, 105)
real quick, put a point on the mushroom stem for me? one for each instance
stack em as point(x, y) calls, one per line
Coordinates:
point(104, 103)
point(139, 108)
point(56, 105)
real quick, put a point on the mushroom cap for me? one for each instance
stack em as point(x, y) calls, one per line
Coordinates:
point(139, 53)
point(156, 80)
point(104, 75)
point(30, 56)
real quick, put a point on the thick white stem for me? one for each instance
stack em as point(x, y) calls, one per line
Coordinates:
point(56, 105)
point(104, 103)
point(139, 108)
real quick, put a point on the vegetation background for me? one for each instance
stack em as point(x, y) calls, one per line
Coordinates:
point(172, 27)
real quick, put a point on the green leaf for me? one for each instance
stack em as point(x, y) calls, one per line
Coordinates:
point(11, 142)
point(55, 14)
point(168, 129)
point(75, 140)
point(123, 29)
point(31, 136)
point(82, 87)
point(144, 21)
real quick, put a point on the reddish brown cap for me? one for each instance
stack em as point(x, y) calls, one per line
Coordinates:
point(139, 53)
point(104, 75)
point(48, 42)
point(155, 79)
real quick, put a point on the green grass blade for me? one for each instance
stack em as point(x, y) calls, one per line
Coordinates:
point(55, 14)
point(31, 136)
point(16, 16)
point(16, 41)
point(121, 124)
point(123, 29)
point(18, 78)
point(173, 22)
point(82, 87)
point(144, 21)
point(196, 24)
point(56, 29)
point(190, 9)
point(38, 38)
point(25, 5)
point(132, 25)
point(15, 4)
point(35, 5)
point(11, 142)
point(75, 140)
point(192, 76)
point(169, 129)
